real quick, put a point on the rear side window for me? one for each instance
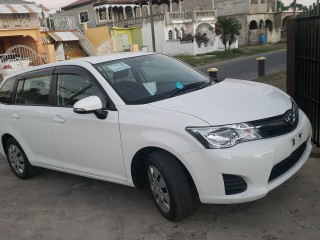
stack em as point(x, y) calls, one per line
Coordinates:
point(7, 90)
point(34, 91)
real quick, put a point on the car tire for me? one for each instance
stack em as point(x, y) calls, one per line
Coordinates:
point(18, 160)
point(169, 185)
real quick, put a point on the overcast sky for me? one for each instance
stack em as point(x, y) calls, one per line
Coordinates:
point(57, 4)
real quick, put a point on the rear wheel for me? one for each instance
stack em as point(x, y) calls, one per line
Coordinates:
point(169, 186)
point(18, 160)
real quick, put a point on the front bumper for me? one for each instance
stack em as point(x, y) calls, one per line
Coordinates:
point(253, 161)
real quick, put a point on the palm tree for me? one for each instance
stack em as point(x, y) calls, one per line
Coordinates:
point(229, 29)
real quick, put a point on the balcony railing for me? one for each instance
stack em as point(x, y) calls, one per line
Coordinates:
point(201, 15)
point(132, 22)
point(179, 16)
point(21, 23)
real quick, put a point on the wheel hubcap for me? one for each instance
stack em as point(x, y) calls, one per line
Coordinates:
point(159, 189)
point(16, 159)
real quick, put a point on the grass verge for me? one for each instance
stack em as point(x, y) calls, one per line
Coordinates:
point(277, 79)
point(230, 54)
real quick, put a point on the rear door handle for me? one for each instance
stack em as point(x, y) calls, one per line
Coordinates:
point(57, 119)
point(15, 116)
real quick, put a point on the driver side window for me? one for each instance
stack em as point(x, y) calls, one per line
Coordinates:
point(72, 88)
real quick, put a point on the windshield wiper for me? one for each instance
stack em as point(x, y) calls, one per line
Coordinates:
point(208, 84)
point(195, 85)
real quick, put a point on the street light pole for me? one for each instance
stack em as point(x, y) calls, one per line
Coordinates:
point(152, 27)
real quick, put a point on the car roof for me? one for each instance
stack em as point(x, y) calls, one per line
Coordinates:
point(92, 60)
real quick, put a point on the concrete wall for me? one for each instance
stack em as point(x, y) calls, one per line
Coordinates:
point(104, 43)
point(174, 47)
point(75, 12)
point(273, 36)
point(160, 36)
point(29, 37)
point(231, 7)
point(199, 4)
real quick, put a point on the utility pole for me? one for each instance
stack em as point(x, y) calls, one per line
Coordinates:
point(294, 8)
point(152, 27)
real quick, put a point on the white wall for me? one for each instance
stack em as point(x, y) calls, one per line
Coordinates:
point(160, 36)
point(274, 36)
point(174, 47)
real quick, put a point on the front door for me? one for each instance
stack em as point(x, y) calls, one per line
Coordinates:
point(86, 144)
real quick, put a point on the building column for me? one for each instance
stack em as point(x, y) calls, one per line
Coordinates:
point(140, 10)
point(124, 13)
point(133, 12)
point(170, 2)
point(112, 14)
point(180, 6)
point(107, 13)
point(148, 8)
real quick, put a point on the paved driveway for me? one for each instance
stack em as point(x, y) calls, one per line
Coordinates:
point(55, 205)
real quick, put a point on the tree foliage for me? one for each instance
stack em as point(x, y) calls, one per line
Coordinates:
point(229, 28)
point(280, 5)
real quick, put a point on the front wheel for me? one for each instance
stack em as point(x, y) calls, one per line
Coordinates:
point(169, 185)
point(18, 160)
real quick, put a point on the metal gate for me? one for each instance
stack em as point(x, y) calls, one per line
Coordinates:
point(303, 68)
point(19, 57)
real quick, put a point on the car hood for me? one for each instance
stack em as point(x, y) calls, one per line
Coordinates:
point(231, 101)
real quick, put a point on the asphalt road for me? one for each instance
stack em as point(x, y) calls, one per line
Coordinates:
point(58, 206)
point(247, 67)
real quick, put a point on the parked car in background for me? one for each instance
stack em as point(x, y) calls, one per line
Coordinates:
point(147, 119)
point(12, 62)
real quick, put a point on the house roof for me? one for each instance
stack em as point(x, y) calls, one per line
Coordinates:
point(77, 3)
point(143, 2)
point(102, 2)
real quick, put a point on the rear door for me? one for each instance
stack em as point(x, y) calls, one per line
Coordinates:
point(85, 143)
point(30, 119)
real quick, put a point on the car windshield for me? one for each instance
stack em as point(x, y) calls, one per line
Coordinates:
point(150, 78)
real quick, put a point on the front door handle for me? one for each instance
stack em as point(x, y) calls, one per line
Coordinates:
point(58, 119)
point(15, 116)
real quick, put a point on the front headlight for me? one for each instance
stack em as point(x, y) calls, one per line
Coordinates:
point(225, 136)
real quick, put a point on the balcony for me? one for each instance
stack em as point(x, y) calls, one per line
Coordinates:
point(19, 23)
point(183, 17)
point(132, 22)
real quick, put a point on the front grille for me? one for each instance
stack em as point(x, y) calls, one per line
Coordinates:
point(278, 125)
point(287, 163)
point(234, 184)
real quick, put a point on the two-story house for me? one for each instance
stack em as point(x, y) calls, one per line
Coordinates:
point(19, 25)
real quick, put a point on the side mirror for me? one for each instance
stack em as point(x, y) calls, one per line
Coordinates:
point(88, 105)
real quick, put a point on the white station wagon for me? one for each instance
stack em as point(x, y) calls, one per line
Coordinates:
point(144, 118)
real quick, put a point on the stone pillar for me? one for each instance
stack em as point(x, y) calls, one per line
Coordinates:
point(50, 52)
point(39, 44)
point(170, 2)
